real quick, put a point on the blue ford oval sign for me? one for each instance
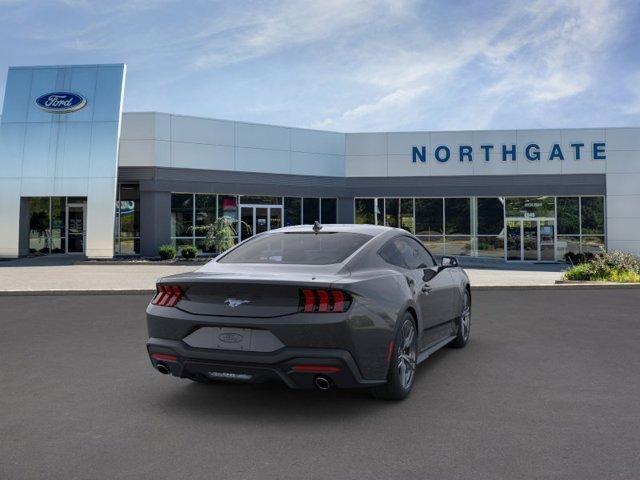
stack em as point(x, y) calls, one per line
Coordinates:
point(61, 102)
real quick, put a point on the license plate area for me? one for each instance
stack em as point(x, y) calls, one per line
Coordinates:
point(232, 338)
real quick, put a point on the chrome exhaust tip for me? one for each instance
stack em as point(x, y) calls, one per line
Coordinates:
point(322, 383)
point(163, 369)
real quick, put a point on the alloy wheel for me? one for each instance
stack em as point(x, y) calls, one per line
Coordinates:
point(465, 318)
point(407, 355)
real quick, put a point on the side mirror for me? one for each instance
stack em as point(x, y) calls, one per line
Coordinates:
point(429, 273)
point(448, 262)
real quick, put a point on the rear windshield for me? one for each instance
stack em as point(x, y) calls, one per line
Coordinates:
point(298, 248)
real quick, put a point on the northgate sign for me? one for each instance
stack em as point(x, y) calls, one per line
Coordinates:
point(577, 151)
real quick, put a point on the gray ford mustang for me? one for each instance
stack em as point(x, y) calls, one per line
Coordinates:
point(314, 306)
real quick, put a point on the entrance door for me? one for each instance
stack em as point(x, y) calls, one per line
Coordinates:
point(530, 239)
point(259, 218)
point(75, 227)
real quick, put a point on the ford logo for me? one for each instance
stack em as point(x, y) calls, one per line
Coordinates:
point(230, 337)
point(61, 102)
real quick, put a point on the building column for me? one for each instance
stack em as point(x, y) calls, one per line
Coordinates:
point(345, 210)
point(155, 221)
point(25, 218)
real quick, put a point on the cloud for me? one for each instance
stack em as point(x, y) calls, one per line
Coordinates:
point(542, 53)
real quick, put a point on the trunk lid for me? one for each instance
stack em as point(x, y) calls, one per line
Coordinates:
point(249, 292)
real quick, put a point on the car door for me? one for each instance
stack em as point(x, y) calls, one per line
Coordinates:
point(434, 294)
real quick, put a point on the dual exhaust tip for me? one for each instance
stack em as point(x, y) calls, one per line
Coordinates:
point(322, 383)
point(163, 368)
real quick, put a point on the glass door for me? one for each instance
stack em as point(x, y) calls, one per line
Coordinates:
point(547, 240)
point(75, 227)
point(530, 239)
point(514, 240)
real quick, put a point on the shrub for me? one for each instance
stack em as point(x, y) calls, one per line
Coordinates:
point(612, 266)
point(189, 251)
point(166, 252)
point(582, 271)
point(578, 258)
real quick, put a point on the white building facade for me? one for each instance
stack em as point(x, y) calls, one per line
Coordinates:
point(90, 179)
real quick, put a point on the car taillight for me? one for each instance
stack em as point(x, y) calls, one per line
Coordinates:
point(168, 295)
point(319, 300)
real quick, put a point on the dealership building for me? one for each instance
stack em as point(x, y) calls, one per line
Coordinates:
point(79, 176)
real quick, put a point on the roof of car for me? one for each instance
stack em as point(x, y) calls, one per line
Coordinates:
point(373, 230)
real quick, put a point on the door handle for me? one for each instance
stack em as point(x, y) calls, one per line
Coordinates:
point(426, 288)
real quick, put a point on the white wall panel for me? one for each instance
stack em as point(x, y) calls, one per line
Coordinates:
point(202, 130)
point(623, 139)
point(317, 164)
point(139, 126)
point(403, 143)
point(403, 166)
point(198, 155)
point(622, 161)
point(544, 138)
point(139, 153)
point(366, 165)
point(623, 206)
point(262, 136)
point(623, 184)
point(366, 144)
point(261, 160)
point(314, 141)
point(495, 165)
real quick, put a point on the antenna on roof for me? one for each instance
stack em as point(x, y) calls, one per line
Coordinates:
point(317, 227)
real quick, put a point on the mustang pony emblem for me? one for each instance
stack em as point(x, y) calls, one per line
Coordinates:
point(235, 302)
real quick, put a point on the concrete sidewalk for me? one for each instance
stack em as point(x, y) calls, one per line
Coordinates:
point(64, 274)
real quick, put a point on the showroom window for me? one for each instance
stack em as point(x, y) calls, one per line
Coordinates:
point(192, 210)
point(57, 225)
point(490, 227)
point(476, 225)
point(306, 210)
point(581, 224)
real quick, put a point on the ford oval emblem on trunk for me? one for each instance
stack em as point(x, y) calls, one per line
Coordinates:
point(230, 337)
point(61, 102)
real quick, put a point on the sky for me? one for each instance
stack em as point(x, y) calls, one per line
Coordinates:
point(351, 65)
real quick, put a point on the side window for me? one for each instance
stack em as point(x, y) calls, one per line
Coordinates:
point(414, 254)
point(392, 255)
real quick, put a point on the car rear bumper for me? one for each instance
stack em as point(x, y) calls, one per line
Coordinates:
point(296, 367)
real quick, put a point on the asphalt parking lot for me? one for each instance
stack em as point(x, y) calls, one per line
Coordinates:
point(549, 387)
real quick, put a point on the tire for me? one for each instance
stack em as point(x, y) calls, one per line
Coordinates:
point(403, 364)
point(464, 323)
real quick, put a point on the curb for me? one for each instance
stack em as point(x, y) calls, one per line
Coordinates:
point(559, 286)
